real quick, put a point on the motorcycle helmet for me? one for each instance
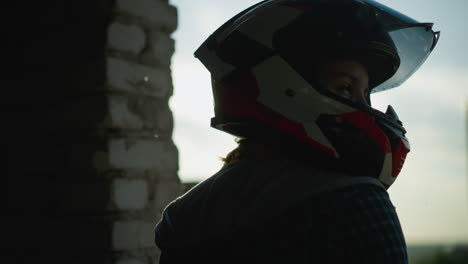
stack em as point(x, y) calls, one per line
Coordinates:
point(263, 64)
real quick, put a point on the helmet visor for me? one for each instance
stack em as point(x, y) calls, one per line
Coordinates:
point(414, 42)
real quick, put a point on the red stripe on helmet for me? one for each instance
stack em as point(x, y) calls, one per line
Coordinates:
point(367, 124)
point(398, 157)
point(239, 98)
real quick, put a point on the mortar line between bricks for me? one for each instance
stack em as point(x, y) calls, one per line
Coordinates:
point(129, 57)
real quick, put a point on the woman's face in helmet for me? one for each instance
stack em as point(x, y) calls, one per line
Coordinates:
point(348, 79)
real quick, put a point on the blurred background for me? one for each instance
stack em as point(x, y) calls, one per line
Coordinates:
point(430, 194)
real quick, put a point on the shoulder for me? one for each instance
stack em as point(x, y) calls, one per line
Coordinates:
point(358, 222)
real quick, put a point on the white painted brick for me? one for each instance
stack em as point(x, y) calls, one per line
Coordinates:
point(130, 235)
point(120, 114)
point(165, 120)
point(139, 112)
point(130, 261)
point(150, 111)
point(130, 194)
point(132, 77)
point(128, 38)
point(156, 12)
point(147, 235)
point(161, 48)
point(142, 154)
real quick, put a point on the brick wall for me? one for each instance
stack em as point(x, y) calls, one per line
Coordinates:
point(90, 162)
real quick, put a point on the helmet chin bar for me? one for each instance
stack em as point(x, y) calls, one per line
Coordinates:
point(398, 141)
point(389, 119)
point(393, 115)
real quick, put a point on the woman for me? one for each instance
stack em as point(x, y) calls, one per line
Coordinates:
point(307, 183)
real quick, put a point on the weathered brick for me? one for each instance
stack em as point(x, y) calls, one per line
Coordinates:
point(130, 261)
point(160, 49)
point(130, 235)
point(141, 154)
point(140, 112)
point(121, 116)
point(127, 38)
point(130, 194)
point(156, 12)
point(164, 121)
point(136, 78)
point(166, 192)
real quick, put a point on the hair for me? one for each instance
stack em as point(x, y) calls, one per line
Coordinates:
point(251, 148)
point(270, 148)
point(240, 152)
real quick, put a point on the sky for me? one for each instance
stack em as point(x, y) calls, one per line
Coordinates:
point(431, 193)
